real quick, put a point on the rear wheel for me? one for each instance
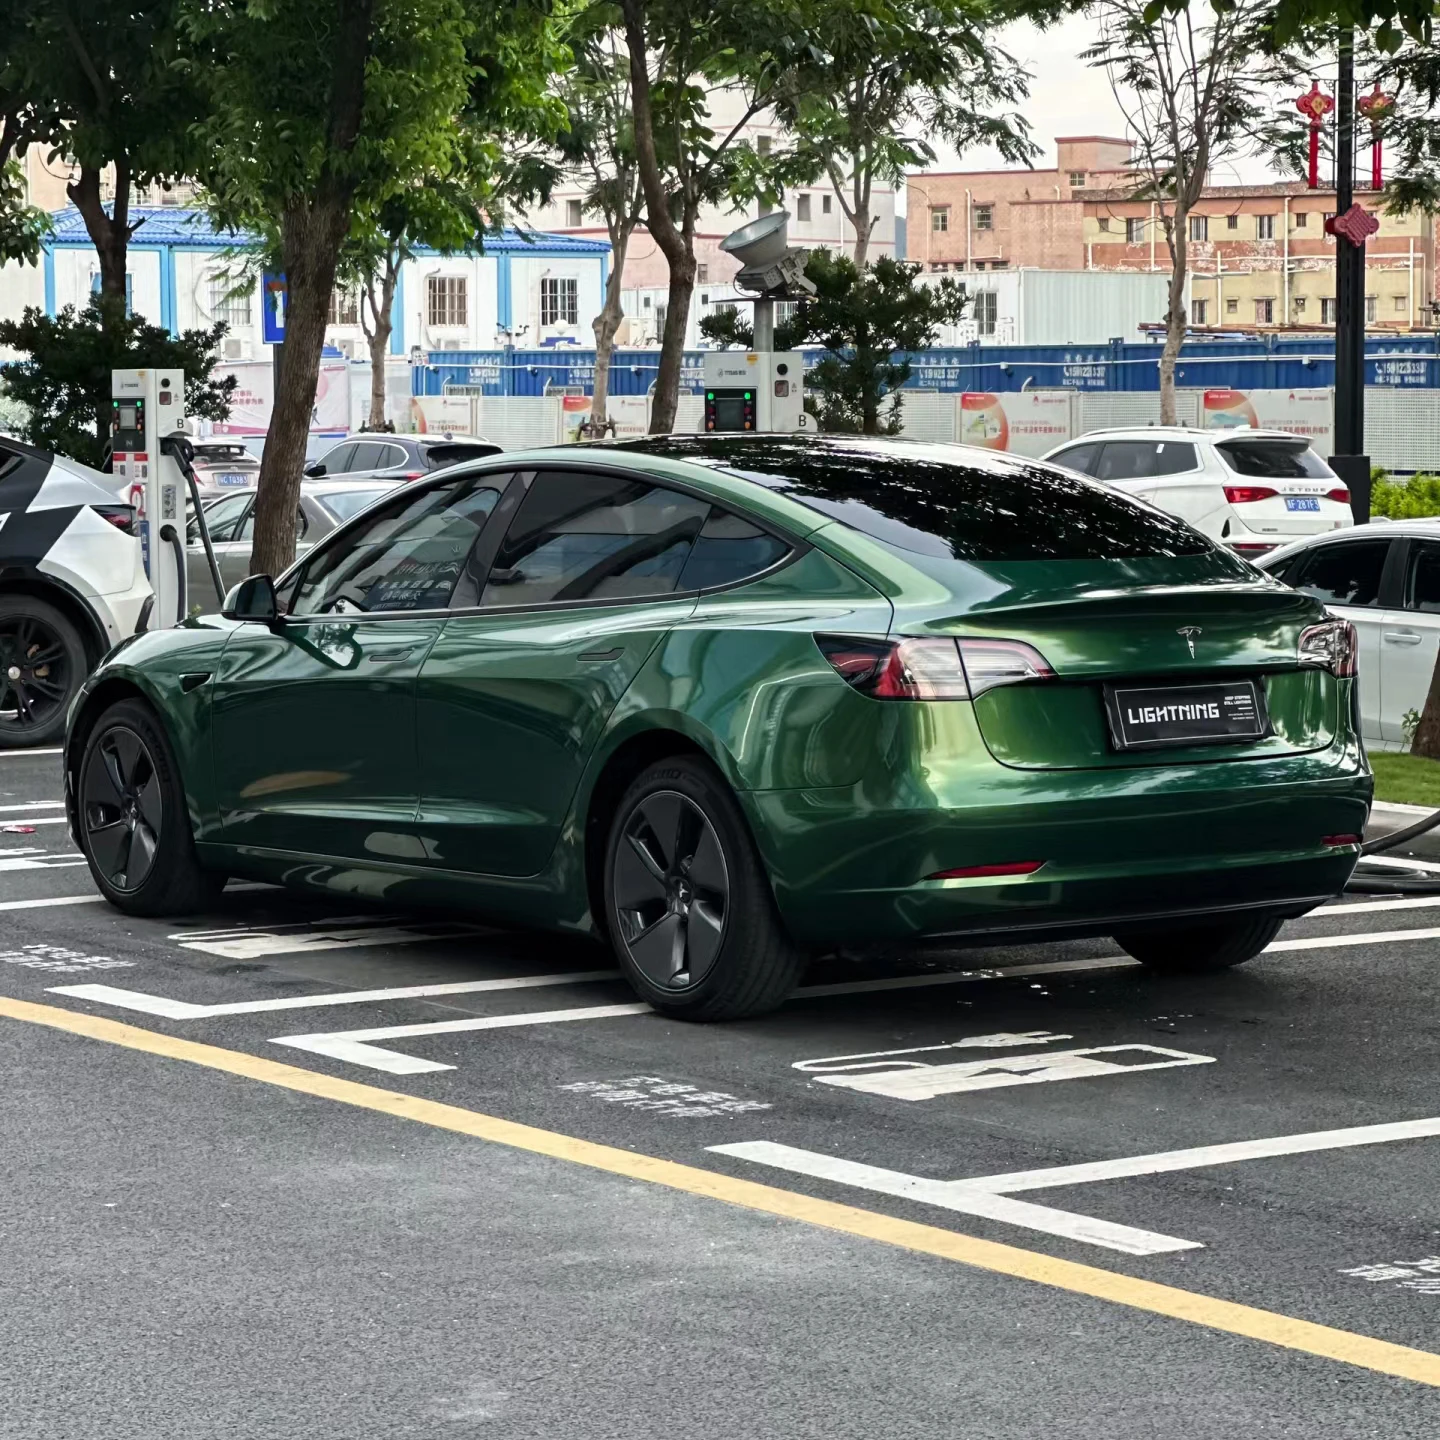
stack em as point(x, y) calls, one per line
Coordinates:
point(42, 665)
point(134, 823)
point(689, 909)
point(1196, 949)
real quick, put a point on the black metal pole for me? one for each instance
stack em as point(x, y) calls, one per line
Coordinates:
point(1349, 462)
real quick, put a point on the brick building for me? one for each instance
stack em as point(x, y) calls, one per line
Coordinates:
point(1259, 254)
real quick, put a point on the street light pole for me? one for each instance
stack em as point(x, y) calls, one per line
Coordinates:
point(1349, 462)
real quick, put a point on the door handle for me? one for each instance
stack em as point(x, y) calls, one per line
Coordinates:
point(1401, 637)
point(613, 654)
point(402, 653)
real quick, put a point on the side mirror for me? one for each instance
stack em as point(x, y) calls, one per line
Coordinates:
point(313, 472)
point(252, 599)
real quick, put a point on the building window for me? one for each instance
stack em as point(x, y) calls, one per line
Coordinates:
point(1264, 312)
point(1232, 222)
point(447, 300)
point(940, 218)
point(230, 300)
point(1264, 227)
point(1134, 231)
point(984, 217)
point(1372, 305)
point(1327, 310)
point(1077, 179)
point(825, 204)
point(999, 264)
point(702, 274)
point(573, 213)
point(1402, 305)
point(987, 311)
point(1299, 302)
point(559, 301)
point(1199, 227)
point(344, 307)
point(1202, 311)
point(1103, 222)
point(802, 207)
point(1302, 219)
point(1232, 306)
point(762, 144)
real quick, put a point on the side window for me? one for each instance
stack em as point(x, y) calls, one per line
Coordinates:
point(582, 536)
point(246, 530)
point(1344, 573)
point(1174, 458)
point(222, 519)
point(1078, 457)
point(366, 456)
point(1422, 585)
point(1126, 460)
point(729, 549)
point(337, 461)
point(406, 556)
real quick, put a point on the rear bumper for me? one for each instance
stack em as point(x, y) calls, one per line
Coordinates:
point(1119, 848)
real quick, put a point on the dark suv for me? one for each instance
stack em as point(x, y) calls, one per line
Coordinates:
point(397, 457)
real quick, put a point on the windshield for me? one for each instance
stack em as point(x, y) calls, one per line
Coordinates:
point(950, 501)
point(342, 504)
point(1274, 460)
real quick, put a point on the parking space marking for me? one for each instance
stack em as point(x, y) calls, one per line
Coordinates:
point(1371, 937)
point(353, 1046)
point(50, 901)
point(36, 820)
point(27, 753)
point(1148, 1296)
point(36, 857)
point(1375, 907)
point(946, 1195)
point(33, 805)
point(1204, 1155)
point(1395, 863)
point(339, 932)
point(184, 1010)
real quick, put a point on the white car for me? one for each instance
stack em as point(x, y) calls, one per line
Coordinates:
point(1250, 489)
point(72, 585)
point(1384, 578)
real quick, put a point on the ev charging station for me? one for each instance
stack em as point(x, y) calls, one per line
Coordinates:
point(762, 389)
point(150, 451)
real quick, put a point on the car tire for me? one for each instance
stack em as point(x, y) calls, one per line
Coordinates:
point(133, 820)
point(688, 906)
point(1196, 949)
point(42, 666)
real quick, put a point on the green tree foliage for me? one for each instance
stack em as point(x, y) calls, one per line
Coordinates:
point(321, 112)
point(22, 226)
point(868, 321)
point(1417, 498)
point(63, 381)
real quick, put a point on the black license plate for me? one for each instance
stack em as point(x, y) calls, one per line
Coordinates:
point(1149, 716)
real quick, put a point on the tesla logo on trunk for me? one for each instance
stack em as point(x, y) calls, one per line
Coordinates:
point(1189, 632)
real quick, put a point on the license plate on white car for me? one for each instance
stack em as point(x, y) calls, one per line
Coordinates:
point(1302, 502)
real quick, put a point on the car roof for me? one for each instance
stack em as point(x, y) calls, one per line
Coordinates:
point(1187, 432)
point(328, 483)
point(1427, 527)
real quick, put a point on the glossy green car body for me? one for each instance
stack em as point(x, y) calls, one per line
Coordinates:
point(472, 757)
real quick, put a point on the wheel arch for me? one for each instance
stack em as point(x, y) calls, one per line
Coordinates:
point(68, 601)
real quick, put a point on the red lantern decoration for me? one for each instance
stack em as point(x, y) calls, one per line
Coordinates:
point(1315, 105)
point(1376, 107)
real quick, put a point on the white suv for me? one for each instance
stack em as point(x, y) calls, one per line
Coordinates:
point(72, 585)
point(1253, 490)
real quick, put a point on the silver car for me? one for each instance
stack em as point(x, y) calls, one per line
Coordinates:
point(231, 521)
point(224, 466)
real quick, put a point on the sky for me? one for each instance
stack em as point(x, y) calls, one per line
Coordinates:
point(1067, 97)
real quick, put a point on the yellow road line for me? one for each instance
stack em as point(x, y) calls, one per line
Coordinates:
point(1361, 1350)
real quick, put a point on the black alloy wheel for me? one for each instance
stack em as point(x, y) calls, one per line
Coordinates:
point(122, 808)
point(671, 890)
point(36, 676)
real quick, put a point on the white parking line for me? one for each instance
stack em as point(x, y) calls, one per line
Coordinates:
point(49, 901)
point(33, 805)
point(35, 820)
point(1375, 907)
point(184, 1010)
point(25, 754)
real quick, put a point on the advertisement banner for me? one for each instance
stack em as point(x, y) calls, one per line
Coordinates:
point(254, 398)
point(1300, 412)
point(1024, 422)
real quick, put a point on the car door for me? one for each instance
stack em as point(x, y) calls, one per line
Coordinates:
point(366, 459)
point(223, 519)
point(314, 716)
point(1410, 639)
point(552, 622)
point(1348, 576)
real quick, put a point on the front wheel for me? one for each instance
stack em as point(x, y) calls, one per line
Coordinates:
point(690, 912)
point(133, 821)
point(42, 665)
point(1197, 949)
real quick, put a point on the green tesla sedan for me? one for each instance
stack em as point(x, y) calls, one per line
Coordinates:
point(731, 701)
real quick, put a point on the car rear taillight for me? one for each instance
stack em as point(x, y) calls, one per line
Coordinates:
point(1243, 547)
point(926, 668)
point(412, 475)
point(1340, 495)
point(977, 872)
point(1248, 494)
point(122, 517)
point(1332, 646)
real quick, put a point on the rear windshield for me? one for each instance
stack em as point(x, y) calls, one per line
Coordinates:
point(932, 500)
point(1274, 460)
point(440, 455)
point(342, 504)
point(221, 452)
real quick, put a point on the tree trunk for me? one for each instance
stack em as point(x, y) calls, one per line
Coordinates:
point(379, 339)
point(605, 324)
point(310, 235)
point(1175, 315)
point(1427, 733)
point(672, 346)
point(110, 234)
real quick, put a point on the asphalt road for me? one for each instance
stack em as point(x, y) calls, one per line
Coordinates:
point(201, 1243)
